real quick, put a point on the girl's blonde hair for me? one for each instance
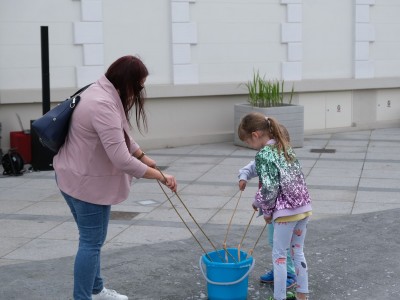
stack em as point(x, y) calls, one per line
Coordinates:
point(258, 122)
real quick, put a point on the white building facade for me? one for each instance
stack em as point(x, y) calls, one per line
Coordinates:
point(342, 56)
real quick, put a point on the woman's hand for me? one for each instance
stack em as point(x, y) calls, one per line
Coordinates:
point(170, 182)
point(166, 179)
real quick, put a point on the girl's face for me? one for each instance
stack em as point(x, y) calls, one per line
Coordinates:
point(257, 140)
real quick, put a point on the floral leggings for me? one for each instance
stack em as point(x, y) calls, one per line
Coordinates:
point(289, 234)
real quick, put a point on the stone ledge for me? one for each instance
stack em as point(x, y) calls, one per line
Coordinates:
point(15, 96)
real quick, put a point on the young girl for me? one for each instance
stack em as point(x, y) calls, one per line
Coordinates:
point(245, 174)
point(283, 197)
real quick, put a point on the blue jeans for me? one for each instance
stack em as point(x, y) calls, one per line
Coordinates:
point(92, 221)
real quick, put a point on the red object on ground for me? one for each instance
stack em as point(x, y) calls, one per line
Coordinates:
point(21, 142)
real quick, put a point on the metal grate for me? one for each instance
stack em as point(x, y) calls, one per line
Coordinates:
point(123, 215)
point(323, 150)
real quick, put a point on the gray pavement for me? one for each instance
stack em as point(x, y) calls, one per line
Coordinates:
point(351, 246)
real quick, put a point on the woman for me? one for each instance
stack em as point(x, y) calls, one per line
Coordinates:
point(95, 166)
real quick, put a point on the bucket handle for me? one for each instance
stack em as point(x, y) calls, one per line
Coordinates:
point(225, 283)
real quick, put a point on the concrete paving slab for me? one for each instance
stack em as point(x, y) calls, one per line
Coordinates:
point(188, 176)
point(9, 207)
point(243, 203)
point(145, 186)
point(370, 173)
point(243, 152)
point(44, 249)
point(151, 234)
point(378, 166)
point(378, 197)
point(65, 231)
point(334, 181)
point(358, 135)
point(394, 155)
point(46, 208)
point(25, 228)
point(35, 194)
point(364, 207)
point(329, 207)
point(347, 143)
point(332, 195)
point(335, 173)
point(9, 244)
point(120, 246)
point(169, 214)
point(214, 149)
point(222, 174)
point(307, 163)
point(315, 142)
point(339, 164)
point(383, 145)
point(241, 217)
point(199, 201)
point(344, 155)
point(137, 207)
point(197, 160)
point(381, 183)
point(238, 162)
point(207, 188)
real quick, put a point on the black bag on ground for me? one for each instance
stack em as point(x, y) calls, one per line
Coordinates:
point(12, 163)
point(52, 127)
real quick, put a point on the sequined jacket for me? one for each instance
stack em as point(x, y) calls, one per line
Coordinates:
point(283, 191)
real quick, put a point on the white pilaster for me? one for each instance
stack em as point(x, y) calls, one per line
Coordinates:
point(184, 35)
point(89, 33)
point(291, 34)
point(364, 36)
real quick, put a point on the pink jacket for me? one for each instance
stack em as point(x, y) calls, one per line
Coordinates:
point(96, 164)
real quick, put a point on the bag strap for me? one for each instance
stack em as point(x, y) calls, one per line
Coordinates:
point(81, 90)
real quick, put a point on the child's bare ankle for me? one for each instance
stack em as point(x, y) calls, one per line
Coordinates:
point(301, 296)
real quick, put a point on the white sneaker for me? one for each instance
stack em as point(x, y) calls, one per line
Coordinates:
point(107, 294)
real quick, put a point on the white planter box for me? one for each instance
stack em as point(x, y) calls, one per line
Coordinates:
point(292, 116)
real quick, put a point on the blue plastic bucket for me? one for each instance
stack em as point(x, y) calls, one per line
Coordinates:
point(227, 278)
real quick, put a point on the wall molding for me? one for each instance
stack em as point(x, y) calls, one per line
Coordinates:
point(364, 36)
point(89, 33)
point(18, 96)
point(184, 36)
point(291, 34)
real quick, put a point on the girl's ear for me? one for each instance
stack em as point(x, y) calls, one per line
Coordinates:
point(255, 135)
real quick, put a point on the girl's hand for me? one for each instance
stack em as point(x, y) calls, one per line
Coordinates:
point(242, 184)
point(170, 182)
point(254, 207)
point(268, 219)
